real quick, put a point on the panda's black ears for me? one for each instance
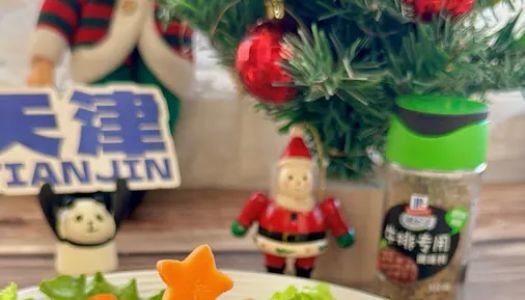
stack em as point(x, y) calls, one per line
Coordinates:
point(48, 202)
point(121, 200)
point(105, 199)
point(67, 201)
point(46, 192)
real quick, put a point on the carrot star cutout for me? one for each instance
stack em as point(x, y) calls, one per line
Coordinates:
point(195, 278)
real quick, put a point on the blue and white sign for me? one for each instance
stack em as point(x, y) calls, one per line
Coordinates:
point(84, 141)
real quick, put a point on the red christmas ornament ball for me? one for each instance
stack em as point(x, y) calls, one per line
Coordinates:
point(426, 9)
point(460, 7)
point(258, 63)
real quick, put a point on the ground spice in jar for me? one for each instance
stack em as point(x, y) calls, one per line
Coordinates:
point(426, 233)
point(436, 150)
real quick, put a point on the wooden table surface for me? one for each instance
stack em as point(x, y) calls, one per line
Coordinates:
point(170, 223)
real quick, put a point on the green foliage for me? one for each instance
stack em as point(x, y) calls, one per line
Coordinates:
point(65, 288)
point(352, 58)
point(226, 32)
point(78, 288)
point(320, 292)
point(9, 293)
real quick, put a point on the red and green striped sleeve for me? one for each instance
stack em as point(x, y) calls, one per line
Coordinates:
point(178, 35)
point(95, 22)
point(62, 16)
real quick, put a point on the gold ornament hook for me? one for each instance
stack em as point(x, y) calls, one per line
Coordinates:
point(275, 9)
point(314, 133)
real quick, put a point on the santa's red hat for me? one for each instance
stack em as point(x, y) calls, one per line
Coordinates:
point(296, 149)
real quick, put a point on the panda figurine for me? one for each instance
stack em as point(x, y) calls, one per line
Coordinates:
point(85, 226)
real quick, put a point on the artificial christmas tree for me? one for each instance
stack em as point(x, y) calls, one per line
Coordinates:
point(351, 58)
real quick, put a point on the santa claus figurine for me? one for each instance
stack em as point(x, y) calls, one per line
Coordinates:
point(292, 224)
point(114, 41)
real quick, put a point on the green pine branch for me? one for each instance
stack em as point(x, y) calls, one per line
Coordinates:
point(352, 58)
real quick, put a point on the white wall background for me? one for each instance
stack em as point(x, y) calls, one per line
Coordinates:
point(237, 122)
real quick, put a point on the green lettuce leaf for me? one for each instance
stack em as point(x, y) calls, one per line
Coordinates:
point(320, 292)
point(157, 297)
point(100, 285)
point(65, 288)
point(77, 288)
point(9, 293)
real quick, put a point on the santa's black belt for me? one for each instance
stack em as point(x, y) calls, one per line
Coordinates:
point(292, 238)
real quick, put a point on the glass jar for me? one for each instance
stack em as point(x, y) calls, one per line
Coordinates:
point(433, 186)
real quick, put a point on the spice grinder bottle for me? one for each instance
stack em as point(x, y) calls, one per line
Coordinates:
point(436, 149)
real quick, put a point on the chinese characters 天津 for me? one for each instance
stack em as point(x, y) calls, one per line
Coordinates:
point(86, 140)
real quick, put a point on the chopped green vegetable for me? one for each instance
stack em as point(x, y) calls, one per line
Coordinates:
point(9, 293)
point(320, 292)
point(65, 288)
point(157, 297)
point(100, 285)
point(77, 288)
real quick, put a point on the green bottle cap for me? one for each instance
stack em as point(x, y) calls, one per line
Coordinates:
point(438, 133)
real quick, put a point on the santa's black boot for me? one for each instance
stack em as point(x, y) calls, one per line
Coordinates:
point(304, 273)
point(275, 270)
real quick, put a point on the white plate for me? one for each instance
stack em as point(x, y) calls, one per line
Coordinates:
point(247, 286)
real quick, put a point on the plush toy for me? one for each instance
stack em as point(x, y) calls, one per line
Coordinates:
point(292, 224)
point(85, 226)
point(114, 40)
